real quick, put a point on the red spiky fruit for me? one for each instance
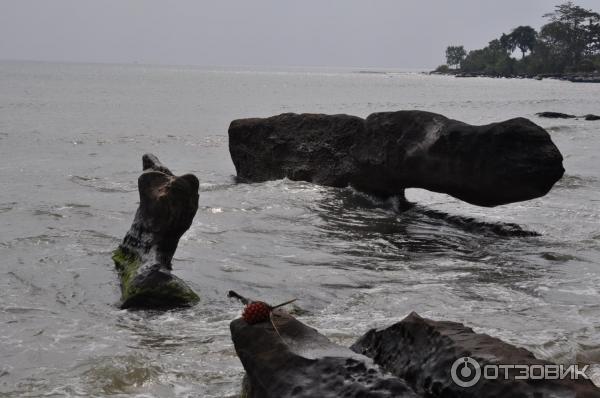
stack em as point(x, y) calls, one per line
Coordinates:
point(256, 312)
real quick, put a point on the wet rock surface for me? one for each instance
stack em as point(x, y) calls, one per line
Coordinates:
point(422, 351)
point(489, 165)
point(167, 207)
point(299, 362)
point(308, 147)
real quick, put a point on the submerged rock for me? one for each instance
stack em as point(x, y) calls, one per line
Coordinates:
point(299, 362)
point(558, 115)
point(167, 207)
point(472, 225)
point(555, 115)
point(388, 152)
point(422, 352)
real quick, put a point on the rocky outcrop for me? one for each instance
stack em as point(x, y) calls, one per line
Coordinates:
point(580, 77)
point(555, 115)
point(388, 152)
point(167, 207)
point(296, 361)
point(584, 78)
point(414, 357)
point(422, 352)
point(592, 117)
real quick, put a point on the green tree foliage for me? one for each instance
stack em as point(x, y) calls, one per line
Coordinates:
point(524, 38)
point(573, 31)
point(507, 43)
point(455, 55)
point(493, 60)
point(569, 42)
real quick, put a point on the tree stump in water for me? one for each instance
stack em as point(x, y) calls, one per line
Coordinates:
point(167, 207)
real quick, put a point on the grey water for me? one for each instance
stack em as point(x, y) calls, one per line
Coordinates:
point(71, 141)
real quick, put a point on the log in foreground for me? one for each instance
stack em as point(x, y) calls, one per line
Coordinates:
point(167, 207)
point(411, 358)
point(422, 351)
point(296, 361)
point(489, 165)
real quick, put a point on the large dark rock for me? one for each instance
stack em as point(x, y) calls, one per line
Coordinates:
point(302, 363)
point(486, 165)
point(167, 207)
point(592, 117)
point(422, 352)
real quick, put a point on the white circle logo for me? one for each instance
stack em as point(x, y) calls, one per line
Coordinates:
point(465, 372)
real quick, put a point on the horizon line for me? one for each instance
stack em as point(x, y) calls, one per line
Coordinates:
point(139, 63)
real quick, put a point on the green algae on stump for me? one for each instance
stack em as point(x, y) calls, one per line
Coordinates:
point(144, 286)
point(167, 207)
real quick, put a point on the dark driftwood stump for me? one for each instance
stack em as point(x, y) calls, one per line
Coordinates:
point(168, 205)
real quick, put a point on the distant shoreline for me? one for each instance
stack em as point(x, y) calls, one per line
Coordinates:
point(570, 77)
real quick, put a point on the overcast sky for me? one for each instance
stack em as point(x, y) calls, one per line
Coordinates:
point(353, 33)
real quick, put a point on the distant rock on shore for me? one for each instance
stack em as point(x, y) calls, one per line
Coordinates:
point(595, 78)
point(570, 77)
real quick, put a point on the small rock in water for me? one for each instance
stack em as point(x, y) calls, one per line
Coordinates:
point(555, 115)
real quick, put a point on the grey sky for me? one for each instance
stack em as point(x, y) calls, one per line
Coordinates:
point(367, 33)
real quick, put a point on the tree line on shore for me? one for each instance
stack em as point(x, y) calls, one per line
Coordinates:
point(568, 43)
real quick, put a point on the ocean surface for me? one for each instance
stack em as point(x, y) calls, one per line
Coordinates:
point(71, 141)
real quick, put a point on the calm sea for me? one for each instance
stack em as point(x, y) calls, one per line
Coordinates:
point(71, 141)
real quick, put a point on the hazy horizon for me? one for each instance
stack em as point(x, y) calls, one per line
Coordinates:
point(264, 33)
